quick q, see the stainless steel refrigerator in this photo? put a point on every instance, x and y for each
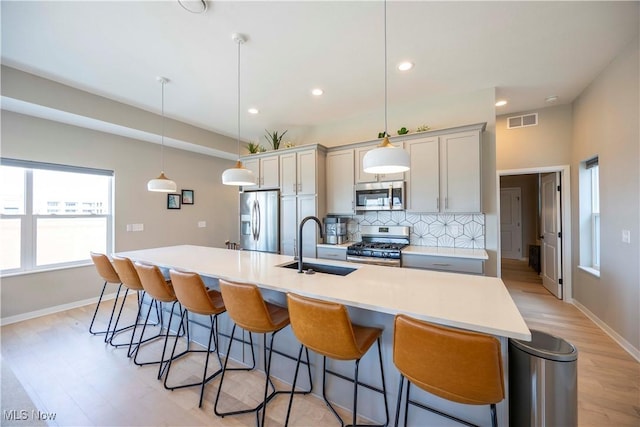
(260, 221)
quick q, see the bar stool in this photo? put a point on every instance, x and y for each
(109, 275)
(130, 279)
(325, 327)
(252, 313)
(194, 297)
(156, 286)
(460, 366)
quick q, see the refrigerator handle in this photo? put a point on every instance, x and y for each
(259, 220)
(253, 220)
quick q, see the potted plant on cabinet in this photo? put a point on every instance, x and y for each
(274, 138)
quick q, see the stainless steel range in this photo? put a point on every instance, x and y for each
(381, 245)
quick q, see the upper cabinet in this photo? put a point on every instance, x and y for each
(266, 171)
(298, 172)
(362, 176)
(340, 176)
(445, 174)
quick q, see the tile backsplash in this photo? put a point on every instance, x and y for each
(443, 230)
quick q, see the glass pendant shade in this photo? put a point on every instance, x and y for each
(238, 175)
(162, 184)
(386, 159)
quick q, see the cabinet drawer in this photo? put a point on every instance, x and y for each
(331, 253)
(456, 265)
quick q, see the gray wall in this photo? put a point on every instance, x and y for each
(134, 163)
(606, 123)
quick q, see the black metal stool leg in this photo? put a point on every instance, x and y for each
(95, 312)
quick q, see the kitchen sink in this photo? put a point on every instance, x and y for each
(310, 268)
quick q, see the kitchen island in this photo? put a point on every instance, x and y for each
(374, 294)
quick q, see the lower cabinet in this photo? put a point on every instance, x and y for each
(338, 254)
(452, 264)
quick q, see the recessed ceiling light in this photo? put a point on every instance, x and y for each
(501, 103)
(317, 92)
(253, 111)
(405, 66)
(552, 98)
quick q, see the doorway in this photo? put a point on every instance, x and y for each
(545, 234)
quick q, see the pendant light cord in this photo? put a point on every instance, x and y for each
(238, 140)
(162, 134)
(385, 68)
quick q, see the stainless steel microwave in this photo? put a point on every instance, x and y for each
(380, 196)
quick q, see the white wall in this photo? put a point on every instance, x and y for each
(134, 163)
(606, 123)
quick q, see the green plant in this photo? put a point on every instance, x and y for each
(423, 128)
(253, 147)
(382, 134)
(274, 139)
(403, 131)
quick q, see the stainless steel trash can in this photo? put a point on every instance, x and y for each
(543, 382)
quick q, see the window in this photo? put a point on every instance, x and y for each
(52, 215)
(590, 216)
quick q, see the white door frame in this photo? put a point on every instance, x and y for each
(565, 179)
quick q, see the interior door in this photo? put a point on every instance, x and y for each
(511, 223)
(551, 258)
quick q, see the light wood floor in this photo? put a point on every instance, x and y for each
(66, 371)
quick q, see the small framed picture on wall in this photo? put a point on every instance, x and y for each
(173, 201)
(187, 197)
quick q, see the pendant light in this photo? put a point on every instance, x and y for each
(162, 184)
(238, 175)
(385, 158)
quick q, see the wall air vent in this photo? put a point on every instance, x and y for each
(522, 121)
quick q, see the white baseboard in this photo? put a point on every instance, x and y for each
(51, 310)
(626, 345)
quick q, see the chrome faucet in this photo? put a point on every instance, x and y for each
(300, 227)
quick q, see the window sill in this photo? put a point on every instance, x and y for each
(45, 270)
(590, 270)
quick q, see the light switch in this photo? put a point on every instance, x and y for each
(138, 227)
(626, 236)
(129, 227)
(202, 224)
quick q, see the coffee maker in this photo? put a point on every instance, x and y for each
(335, 230)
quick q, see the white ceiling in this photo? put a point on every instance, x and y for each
(526, 50)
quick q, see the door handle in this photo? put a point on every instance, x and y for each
(542, 237)
(253, 220)
(258, 223)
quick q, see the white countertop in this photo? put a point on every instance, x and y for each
(476, 303)
(480, 254)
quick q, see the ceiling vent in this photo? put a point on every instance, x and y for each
(522, 121)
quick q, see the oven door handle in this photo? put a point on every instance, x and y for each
(374, 260)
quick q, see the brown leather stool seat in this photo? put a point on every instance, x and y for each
(110, 276)
(248, 310)
(460, 366)
(131, 281)
(326, 328)
(194, 297)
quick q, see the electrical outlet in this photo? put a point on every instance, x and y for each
(202, 224)
(626, 236)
